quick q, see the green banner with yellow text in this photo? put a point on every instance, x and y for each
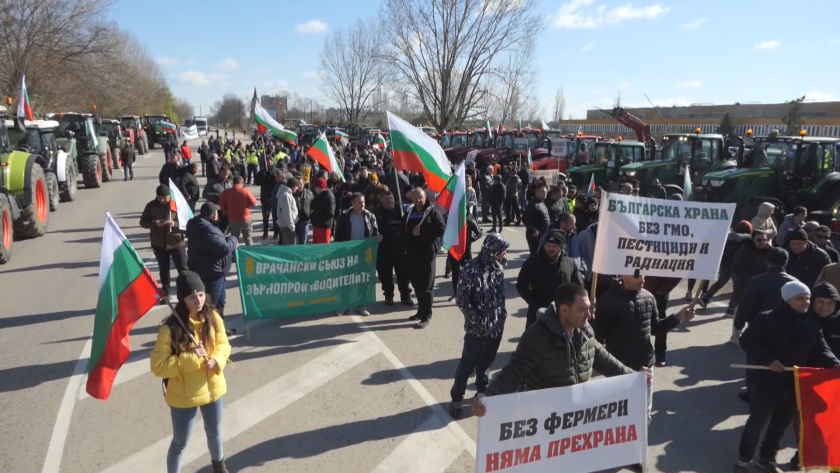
(290, 281)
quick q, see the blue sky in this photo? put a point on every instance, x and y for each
(680, 52)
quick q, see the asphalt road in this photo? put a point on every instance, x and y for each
(319, 394)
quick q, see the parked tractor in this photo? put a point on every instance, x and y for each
(604, 161)
(140, 138)
(40, 139)
(24, 194)
(77, 136)
(113, 132)
(576, 149)
(152, 125)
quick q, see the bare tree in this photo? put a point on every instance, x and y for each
(352, 72)
(532, 110)
(515, 79)
(229, 110)
(183, 109)
(448, 50)
(559, 105)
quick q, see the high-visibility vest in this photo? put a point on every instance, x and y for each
(227, 154)
(252, 157)
(571, 203)
(279, 156)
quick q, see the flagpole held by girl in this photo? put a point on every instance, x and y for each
(193, 372)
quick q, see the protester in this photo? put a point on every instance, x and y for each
(545, 271)
(389, 259)
(657, 191)
(792, 222)
(423, 227)
(236, 203)
(253, 164)
(806, 259)
(473, 234)
(322, 211)
(186, 152)
(210, 254)
(588, 237)
(267, 182)
(485, 182)
(189, 186)
(536, 219)
(213, 166)
(734, 240)
(357, 223)
(287, 212)
(824, 305)
(193, 374)
(498, 196)
(780, 338)
(213, 190)
(512, 187)
(586, 214)
(167, 240)
(303, 200)
(128, 157)
(822, 238)
(480, 296)
(171, 169)
(566, 223)
(556, 204)
(373, 193)
(750, 260)
(204, 156)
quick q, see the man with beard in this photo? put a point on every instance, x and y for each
(423, 226)
(806, 259)
(166, 238)
(536, 219)
(389, 259)
(545, 271)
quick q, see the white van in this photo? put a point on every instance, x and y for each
(201, 124)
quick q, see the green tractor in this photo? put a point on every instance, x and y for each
(39, 139)
(133, 129)
(78, 137)
(604, 161)
(113, 132)
(703, 153)
(155, 133)
(24, 194)
(785, 170)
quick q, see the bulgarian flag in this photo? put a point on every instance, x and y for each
(818, 396)
(340, 134)
(179, 205)
(416, 151)
(127, 290)
(590, 191)
(24, 108)
(167, 127)
(321, 152)
(454, 199)
(530, 161)
(489, 130)
(500, 127)
(265, 122)
(380, 141)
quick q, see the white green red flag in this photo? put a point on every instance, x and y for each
(340, 134)
(590, 191)
(415, 151)
(489, 130)
(380, 141)
(265, 123)
(531, 161)
(499, 132)
(321, 152)
(453, 198)
(178, 204)
(167, 127)
(127, 291)
(544, 126)
(24, 107)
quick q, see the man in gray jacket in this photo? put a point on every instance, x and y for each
(287, 211)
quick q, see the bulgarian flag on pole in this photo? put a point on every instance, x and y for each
(127, 290)
(500, 127)
(265, 122)
(321, 152)
(416, 151)
(167, 127)
(179, 205)
(380, 141)
(454, 199)
(489, 130)
(818, 396)
(24, 107)
(530, 161)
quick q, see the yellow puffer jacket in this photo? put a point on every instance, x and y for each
(191, 384)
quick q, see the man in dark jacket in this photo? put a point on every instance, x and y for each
(806, 259)
(764, 291)
(543, 272)
(498, 196)
(357, 223)
(213, 166)
(189, 186)
(266, 179)
(424, 225)
(204, 156)
(536, 219)
(481, 298)
(485, 182)
(210, 254)
(303, 199)
(213, 190)
(781, 338)
(128, 157)
(171, 169)
(824, 306)
(322, 211)
(733, 243)
(512, 188)
(558, 350)
(167, 240)
(389, 259)
(822, 238)
(749, 261)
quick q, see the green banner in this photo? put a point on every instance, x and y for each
(290, 281)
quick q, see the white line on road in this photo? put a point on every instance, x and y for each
(52, 463)
(258, 405)
(431, 448)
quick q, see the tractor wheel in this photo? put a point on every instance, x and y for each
(35, 217)
(67, 189)
(106, 166)
(91, 169)
(5, 230)
(52, 189)
(115, 157)
(145, 145)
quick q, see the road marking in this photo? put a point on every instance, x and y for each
(430, 448)
(465, 440)
(258, 405)
(52, 463)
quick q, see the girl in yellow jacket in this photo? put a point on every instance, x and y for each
(193, 372)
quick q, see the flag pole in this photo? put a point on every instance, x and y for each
(181, 323)
(754, 367)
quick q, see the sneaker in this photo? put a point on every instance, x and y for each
(794, 462)
(455, 409)
(769, 466)
(219, 466)
(389, 301)
(450, 299)
(423, 324)
(704, 302)
(414, 317)
(362, 311)
(661, 362)
(688, 295)
(407, 301)
(741, 467)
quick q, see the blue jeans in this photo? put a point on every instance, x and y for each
(301, 232)
(215, 291)
(183, 421)
(128, 171)
(478, 354)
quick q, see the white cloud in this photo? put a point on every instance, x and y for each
(587, 48)
(200, 79)
(688, 85)
(311, 27)
(694, 24)
(276, 85)
(573, 15)
(767, 45)
(166, 61)
(227, 64)
(190, 62)
(819, 96)
(316, 75)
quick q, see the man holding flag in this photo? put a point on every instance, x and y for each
(165, 235)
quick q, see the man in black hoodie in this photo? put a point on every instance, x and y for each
(536, 219)
(189, 185)
(389, 259)
(266, 179)
(210, 253)
(171, 169)
(806, 259)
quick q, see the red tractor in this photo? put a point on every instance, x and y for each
(133, 130)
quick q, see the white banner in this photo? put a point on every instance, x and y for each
(587, 427)
(551, 175)
(558, 147)
(189, 132)
(667, 238)
(471, 156)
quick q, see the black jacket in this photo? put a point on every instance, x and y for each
(128, 155)
(749, 261)
(212, 169)
(548, 357)
(536, 217)
(189, 186)
(734, 242)
(425, 245)
(792, 339)
(267, 183)
(209, 252)
(303, 199)
(213, 189)
(807, 265)
(555, 208)
(624, 322)
(763, 293)
(161, 237)
(498, 192)
(322, 210)
(540, 277)
(390, 223)
(343, 228)
(169, 171)
(833, 254)
(831, 331)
